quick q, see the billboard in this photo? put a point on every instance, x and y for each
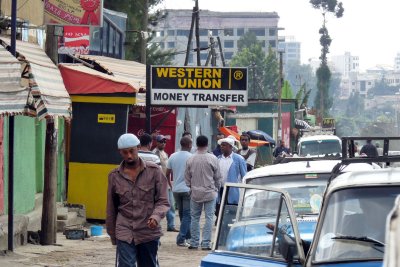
(76, 40)
(73, 12)
(198, 86)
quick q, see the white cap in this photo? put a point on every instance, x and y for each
(128, 140)
(230, 140)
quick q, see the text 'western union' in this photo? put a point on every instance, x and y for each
(193, 78)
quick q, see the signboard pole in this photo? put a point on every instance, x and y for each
(148, 100)
(11, 138)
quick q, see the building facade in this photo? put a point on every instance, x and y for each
(291, 50)
(173, 31)
(346, 64)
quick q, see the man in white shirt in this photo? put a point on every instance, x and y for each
(247, 153)
(145, 149)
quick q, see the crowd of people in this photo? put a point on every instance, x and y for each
(149, 185)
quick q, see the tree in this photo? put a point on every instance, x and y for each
(263, 71)
(287, 92)
(322, 101)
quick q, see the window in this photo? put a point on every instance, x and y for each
(182, 33)
(171, 32)
(228, 55)
(258, 31)
(203, 56)
(262, 43)
(214, 32)
(272, 32)
(171, 45)
(272, 43)
(240, 32)
(161, 45)
(203, 32)
(228, 32)
(228, 44)
(203, 44)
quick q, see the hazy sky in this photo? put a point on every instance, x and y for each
(367, 28)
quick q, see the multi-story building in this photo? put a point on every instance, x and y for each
(291, 50)
(346, 64)
(397, 62)
(173, 32)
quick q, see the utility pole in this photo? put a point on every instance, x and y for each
(143, 39)
(280, 83)
(196, 7)
(49, 209)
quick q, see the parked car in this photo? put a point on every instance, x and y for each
(242, 235)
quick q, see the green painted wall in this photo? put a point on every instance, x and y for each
(24, 163)
(29, 155)
(40, 148)
(61, 177)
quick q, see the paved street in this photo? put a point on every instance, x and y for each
(96, 251)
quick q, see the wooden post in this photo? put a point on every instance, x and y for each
(49, 211)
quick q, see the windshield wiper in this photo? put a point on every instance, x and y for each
(360, 238)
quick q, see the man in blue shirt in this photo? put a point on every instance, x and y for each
(176, 168)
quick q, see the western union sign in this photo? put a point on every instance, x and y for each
(198, 86)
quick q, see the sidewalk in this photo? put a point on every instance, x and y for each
(96, 251)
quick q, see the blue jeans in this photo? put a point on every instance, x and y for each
(182, 200)
(144, 254)
(195, 211)
(171, 212)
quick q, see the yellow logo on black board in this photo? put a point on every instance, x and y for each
(106, 118)
(238, 75)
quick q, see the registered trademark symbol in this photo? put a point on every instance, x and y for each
(238, 75)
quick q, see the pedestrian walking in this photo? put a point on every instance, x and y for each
(232, 166)
(203, 177)
(247, 153)
(369, 150)
(136, 202)
(176, 167)
(217, 150)
(159, 150)
(145, 149)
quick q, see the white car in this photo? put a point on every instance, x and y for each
(319, 146)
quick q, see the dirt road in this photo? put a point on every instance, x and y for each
(96, 251)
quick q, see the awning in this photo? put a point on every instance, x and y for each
(106, 76)
(133, 71)
(253, 143)
(13, 97)
(300, 124)
(95, 82)
(50, 98)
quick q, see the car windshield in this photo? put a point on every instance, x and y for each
(305, 190)
(354, 224)
(319, 147)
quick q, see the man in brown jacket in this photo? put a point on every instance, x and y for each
(136, 202)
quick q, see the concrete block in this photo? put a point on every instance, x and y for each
(20, 231)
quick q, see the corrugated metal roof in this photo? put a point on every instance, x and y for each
(13, 97)
(131, 71)
(47, 87)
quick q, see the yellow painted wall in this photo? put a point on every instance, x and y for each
(87, 185)
(31, 10)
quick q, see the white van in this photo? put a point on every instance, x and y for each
(319, 146)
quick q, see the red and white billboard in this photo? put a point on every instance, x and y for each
(286, 128)
(73, 12)
(76, 40)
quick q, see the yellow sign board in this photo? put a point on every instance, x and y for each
(106, 118)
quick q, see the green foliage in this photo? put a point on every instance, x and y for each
(262, 71)
(382, 88)
(287, 92)
(323, 101)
